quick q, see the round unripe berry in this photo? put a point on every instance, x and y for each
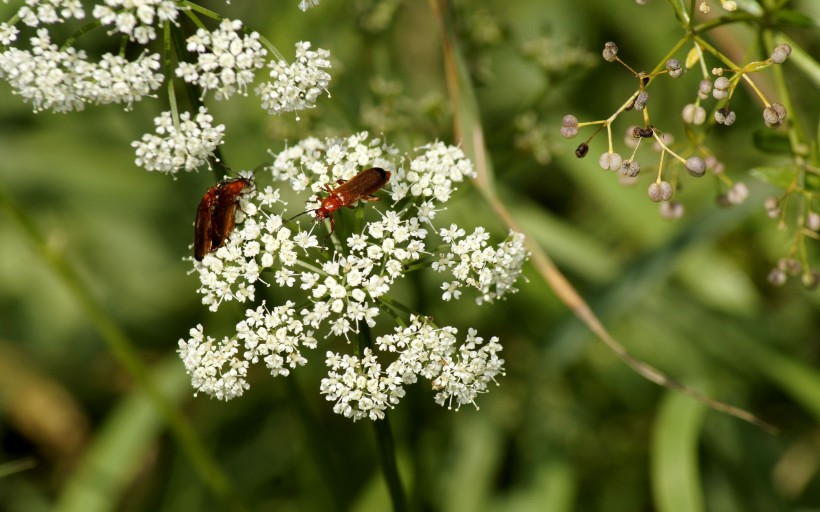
(630, 168)
(654, 192)
(610, 161)
(714, 165)
(781, 53)
(693, 114)
(671, 210)
(696, 166)
(774, 114)
(789, 265)
(610, 51)
(721, 89)
(569, 126)
(660, 191)
(725, 116)
(770, 203)
(568, 132)
(810, 279)
(777, 277)
(673, 67)
(666, 191)
(569, 121)
(813, 221)
(737, 194)
(640, 101)
(704, 88)
(772, 206)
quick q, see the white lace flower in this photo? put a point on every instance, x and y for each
(226, 61)
(433, 173)
(347, 283)
(46, 12)
(214, 367)
(117, 80)
(358, 386)
(184, 147)
(8, 33)
(492, 271)
(296, 86)
(458, 371)
(136, 18)
(65, 80)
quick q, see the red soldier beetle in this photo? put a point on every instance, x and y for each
(359, 187)
(216, 215)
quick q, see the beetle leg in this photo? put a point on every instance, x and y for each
(370, 198)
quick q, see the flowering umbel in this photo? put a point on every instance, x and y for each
(59, 76)
(346, 283)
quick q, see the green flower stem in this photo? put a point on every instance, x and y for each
(168, 68)
(123, 350)
(386, 446)
(88, 27)
(216, 16)
(193, 93)
(467, 127)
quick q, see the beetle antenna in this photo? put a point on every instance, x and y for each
(297, 215)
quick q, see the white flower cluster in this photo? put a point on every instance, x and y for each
(493, 271)
(313, 163)
(45, 12)
(296, 86)
(304, 5)
(227, 62)
(433, 173)
(136, 18)
(186, 146)
(215, 368)
(350, 287)
(65, 80)
(8, 33)
(458, 371)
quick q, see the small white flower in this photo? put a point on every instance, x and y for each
(215, 368)
(64, 80)
(227, 62)
(136, 18)
(8, 34)
(185, 147)
(348, 283)
(46, 12)
(433, 173)
(493, 272)
(304, 5)
(296, 86)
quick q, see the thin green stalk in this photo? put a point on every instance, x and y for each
(385, 443)
(123, 350)
(194, 96)
(88, 27)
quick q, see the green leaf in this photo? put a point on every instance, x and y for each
(771, 142)
(779, 176)
(119, 451)
(675, 478)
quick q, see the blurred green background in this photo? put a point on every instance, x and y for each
(569, 428)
